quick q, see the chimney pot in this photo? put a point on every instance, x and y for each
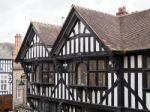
(121, 11)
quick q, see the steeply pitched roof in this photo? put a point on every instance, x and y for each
(105, 26)
(6, 50)
(135, 31)
(47, 32)
(129, 32)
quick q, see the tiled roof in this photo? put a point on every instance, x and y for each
(135, 30)
(129, 32)
(47, 32)
(6, 50)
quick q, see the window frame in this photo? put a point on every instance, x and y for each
(18, 89)
(82, 82)
(3, 86)
(48, 72)
(73, 73)
(147, 70)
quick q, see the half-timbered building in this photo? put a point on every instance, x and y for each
(6, 77)
(35, 58)
(98, 62)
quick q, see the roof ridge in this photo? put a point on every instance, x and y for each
(135, 12)
(129, 14)
(77, 6)
(45, 23)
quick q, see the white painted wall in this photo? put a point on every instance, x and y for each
(148, 100)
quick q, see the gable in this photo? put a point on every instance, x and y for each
(36, 49)
(81, 40)
(38, 41)
(78, 38)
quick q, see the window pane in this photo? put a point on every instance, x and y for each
(92, 79)
(45, 67)
(38, 73)
(51, 67)
(101, 79)
(101, 65)
(72, 79)
(148, 79)
(82, 74)
(51, 78)
(70, 66)
(45, 77)
(18, 94)
(92, 65)
(148, 62)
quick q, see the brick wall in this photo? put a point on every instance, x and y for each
(5, 102)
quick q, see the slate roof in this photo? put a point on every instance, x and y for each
(6, 50)
(128, 32)
(47, 32)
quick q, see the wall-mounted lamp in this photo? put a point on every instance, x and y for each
(65, 65)
(23, 87)
(111, 64)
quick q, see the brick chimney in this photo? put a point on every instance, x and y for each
(18, 42)
(121, 11)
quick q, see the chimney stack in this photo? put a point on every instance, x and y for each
(121, 11)
(18, 42)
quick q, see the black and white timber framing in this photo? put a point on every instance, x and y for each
(79, 72)
(5, 76)
(6, 72)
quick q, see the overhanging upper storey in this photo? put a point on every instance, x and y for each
(38, 41)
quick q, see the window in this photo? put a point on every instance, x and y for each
(92, 65)
(90, 72)
(3, 82)
(148, 71)
(101, 79)
(92, 79)
(71, 73)
(97, 72)
(82, 74)
(38, 73)
(48, 73)
(148, 79)
(18, 90)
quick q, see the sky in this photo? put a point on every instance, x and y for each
(16, 15)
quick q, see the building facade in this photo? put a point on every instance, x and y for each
(6, 77)
(19, 91)
(97, 62)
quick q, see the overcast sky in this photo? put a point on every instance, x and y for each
(15, 15)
